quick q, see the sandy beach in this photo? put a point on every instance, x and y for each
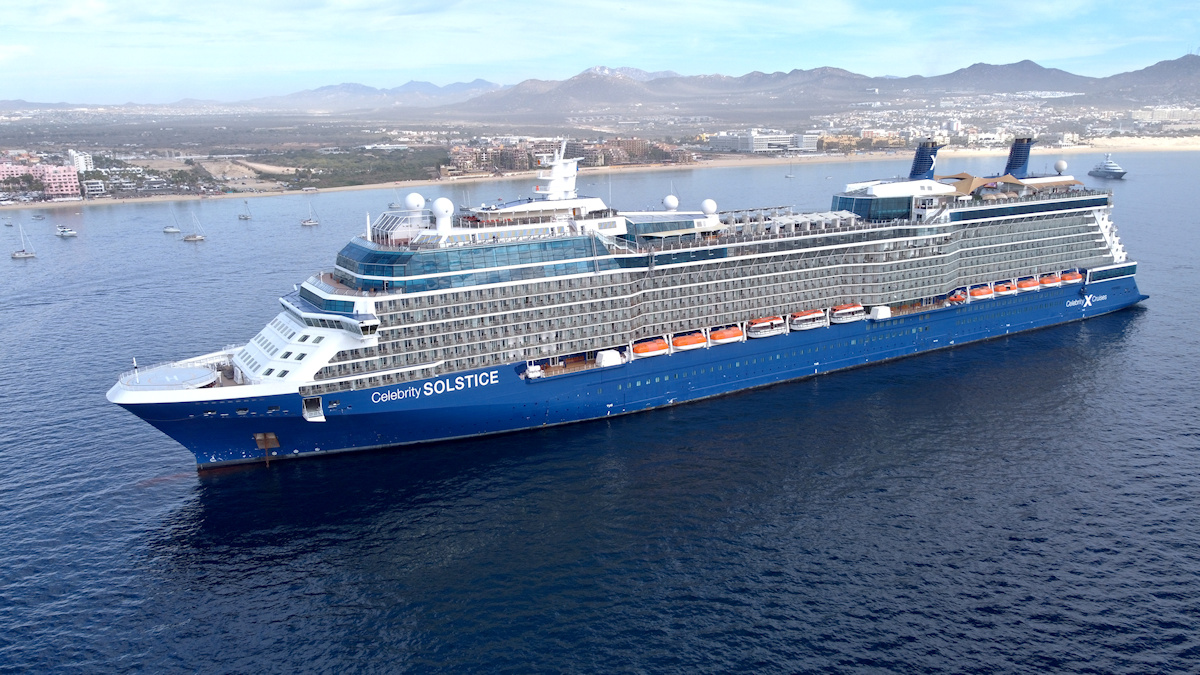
(1106, 145)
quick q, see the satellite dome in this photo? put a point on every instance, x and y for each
(1060, 166)
(442, 207)
(414, 202)
(671, 202)
(708, 206)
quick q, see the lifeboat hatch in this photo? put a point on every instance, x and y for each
(312, 409)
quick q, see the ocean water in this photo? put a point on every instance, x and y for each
(1024, 505)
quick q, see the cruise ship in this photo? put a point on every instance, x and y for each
(443, 323)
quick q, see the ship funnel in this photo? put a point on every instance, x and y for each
(1018, 158)
(924, 161)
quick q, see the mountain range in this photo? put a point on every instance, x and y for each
(753, 97)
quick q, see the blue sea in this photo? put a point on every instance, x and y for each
(1029, 504)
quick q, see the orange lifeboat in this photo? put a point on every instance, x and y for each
(1071, 277)
(813, 318)
(689, 341)
(1029, 284)
(957, 298)
(647, 348)
(981, 293)
(765, 327)
(847, 313)
(1050, 281)
(725, 335)
(1005, 288)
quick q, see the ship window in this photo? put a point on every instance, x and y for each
(282, 373)
(243, 411)
(268, 371)
(318, 339)
(303, 338)
(301, 357)
(285, 355)
(272, 408)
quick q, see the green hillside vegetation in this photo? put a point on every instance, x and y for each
(356, 167)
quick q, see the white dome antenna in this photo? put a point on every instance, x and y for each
(414, 202)
(1060, 166)
(708, 206)
(671, 202)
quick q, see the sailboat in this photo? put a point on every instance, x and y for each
(26, 250)
(246, 215)
(311, 219)
(791, 173)
(173, 228)
(398, 204)
(198, 235)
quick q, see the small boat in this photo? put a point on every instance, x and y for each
(26, 250)
(1071, 277)
(1029, 284)
(1050, 281)
(198, 235)
(311, 219)
(1107, 169)
(981, 293)
(171, 229)
(38, 217)
(725, 335)
(809, 319)
(688, 341)
(957, 298)
(1005, 288)
(64, 231)
(847, 313)
(651, 347)
(768, 326)
(246, 215)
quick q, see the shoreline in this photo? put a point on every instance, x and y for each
(1104, 145)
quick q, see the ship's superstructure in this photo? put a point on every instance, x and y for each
(442, 322)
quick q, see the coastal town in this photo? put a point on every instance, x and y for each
(319, 155)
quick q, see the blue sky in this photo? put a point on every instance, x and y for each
(113, 51)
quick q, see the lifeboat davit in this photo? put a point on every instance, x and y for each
(767, 326)
(725, 335)
(981, 293)
(957, 298)
(1071, 277)
(648, 348)
(806, 320)
(689, 341)
(1050, 281)
(847, 313)
(1029, 284)
(1005, 288)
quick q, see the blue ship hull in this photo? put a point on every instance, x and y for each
(498, 400)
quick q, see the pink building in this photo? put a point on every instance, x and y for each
(59, 181)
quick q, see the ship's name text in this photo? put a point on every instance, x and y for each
(438, 387)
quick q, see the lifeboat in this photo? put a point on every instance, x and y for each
(648, 348)
(1029, 284)
(766, 327)
(981, 293)
(848, 313)
(1071, 277)
(957, 298)
(1005, 288)
(725, 335)
(813, 318)
(1050, 281)
(689, 341)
